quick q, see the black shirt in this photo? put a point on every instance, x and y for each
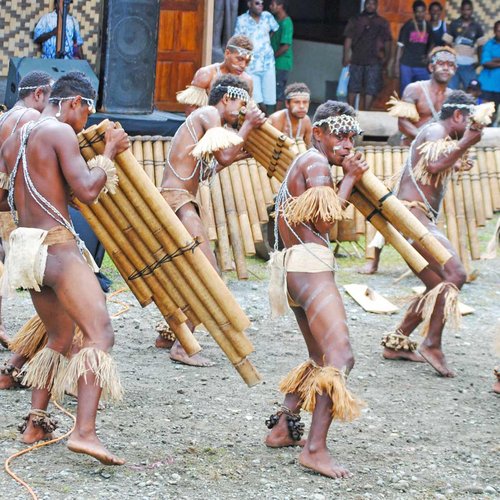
(416, 40)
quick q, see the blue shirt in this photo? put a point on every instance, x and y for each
(46, 24)
(258, 32)
(490, 78)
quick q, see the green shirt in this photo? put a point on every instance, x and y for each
(284, 36)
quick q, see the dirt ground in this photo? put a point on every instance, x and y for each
(197, 433)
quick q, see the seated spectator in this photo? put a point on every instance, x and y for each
(466, 36)
(413, 46)
(474, 89)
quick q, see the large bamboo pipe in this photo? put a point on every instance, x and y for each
(233, 225)
(476, 189)
(158, 160)
(208, 210)
(223, 245)
(257, 191)
(241, 209)
(485, 185)
(253, 215)
(242, 365)
(470, 216)
(492, 178)
(457, 198)
(266, 187)
(391, 235)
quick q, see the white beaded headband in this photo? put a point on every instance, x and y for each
(295, 95)
(470, 107)
(59, 100)
(340, 124)
(235, 92)
(34, 87)
(443, 55)
(241, 51)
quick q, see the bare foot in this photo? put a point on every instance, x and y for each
(7, 382)
(496, 387)
(162, 343)
(179, 355)
(371, 267)
(436, 359)
(34, 433)
(279, 437)
(93, 447)
(4, 340)
(405, 355)
(8, 374)
(322, 463)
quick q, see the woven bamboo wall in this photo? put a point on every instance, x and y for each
(486, 12)
(18, 21)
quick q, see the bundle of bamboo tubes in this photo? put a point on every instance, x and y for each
(161, 262)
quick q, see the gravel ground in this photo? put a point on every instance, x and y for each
(197, 433)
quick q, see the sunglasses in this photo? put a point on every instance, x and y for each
(258, 3)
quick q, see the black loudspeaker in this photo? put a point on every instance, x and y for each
(128, 56)
(19, 67)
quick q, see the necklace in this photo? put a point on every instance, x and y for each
(290, 129)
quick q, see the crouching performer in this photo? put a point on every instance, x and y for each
(303, 277)
(47, 258)
(438, 151)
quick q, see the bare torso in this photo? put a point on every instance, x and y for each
(408, 190)
(206, 76)
(417, 93)
(180, 166)
(291, 126)
(16, 118)
(45, 173)
(296, 183)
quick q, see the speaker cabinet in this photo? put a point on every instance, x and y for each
(128, 56)
(19, 67)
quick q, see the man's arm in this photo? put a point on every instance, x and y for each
(43, 31)
(286, 37)
(487, 59)
(354, 166)
(77, 39)
(307, 131)
(4, 205)
(448, 160)
(406, 126)
(202, 78)
(86, 183)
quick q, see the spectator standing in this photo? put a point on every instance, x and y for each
(258, 26)
(281, 43)
(46, 31)
(414, 43)
(490, 75)
(367, 48)
(438, 24)
(466, 36)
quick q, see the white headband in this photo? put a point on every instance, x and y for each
(34, 87)
(235, 92)
(241, 51)
(470, 107)
(294, 95)
(59, 100)
(340, 124)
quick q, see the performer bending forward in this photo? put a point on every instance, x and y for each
(201, 147)
(303, 274)
(47, 257)
(435, 154)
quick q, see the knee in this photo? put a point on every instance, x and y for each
(457, 276)
(341, 356)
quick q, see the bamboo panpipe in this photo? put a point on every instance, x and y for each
(398, 215)
(360, 222)
(251, 204)
(492, 178)
(100, 217)
(235, 316)
(387, 164)
(208, 210)
(457, 195)
(241, 209)
(451, 219)
(476, 190)
(391, 235)
(257, 190)
(266, 186)
(233, 225)
(378, 167)
(159, 209)
(147, 151)
(275, 185)
(485, 185)
(223, 246)
(137, 150)
(469, 215)
(301, 145)
(158, 160)
(347, 227)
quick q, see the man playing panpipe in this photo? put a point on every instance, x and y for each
(293, 120)
(303, 277)
(237, 57)
(33, 92)
(420, 104)
(435, 154)
(201, 147)
(45, 169)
